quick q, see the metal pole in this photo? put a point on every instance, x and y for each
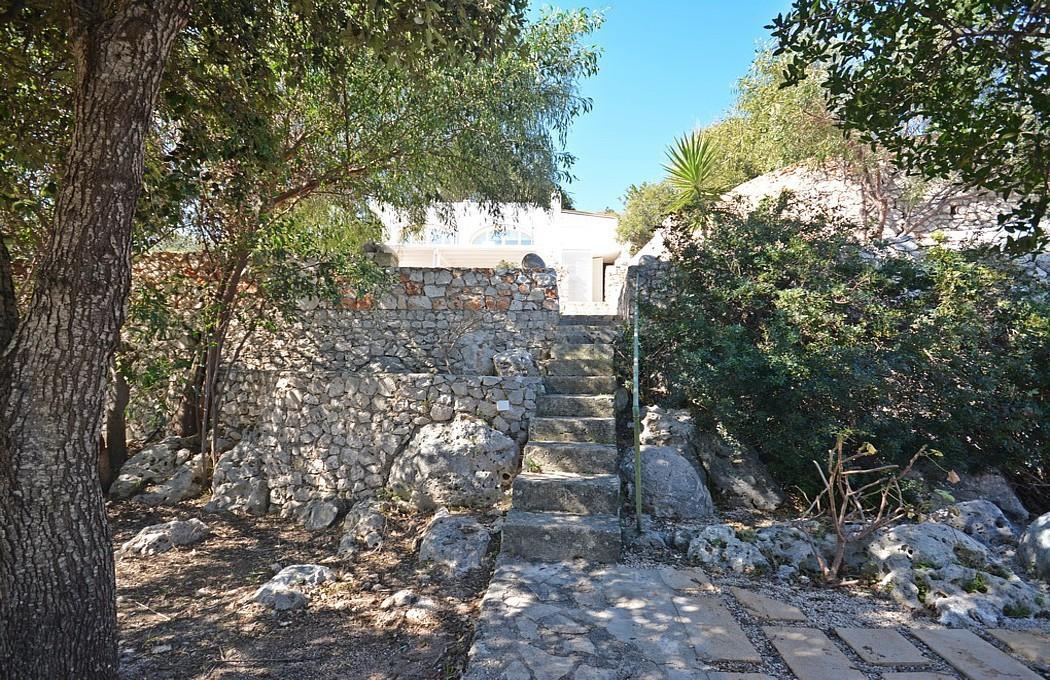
(635, 388)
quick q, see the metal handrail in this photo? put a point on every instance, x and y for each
(636, 408)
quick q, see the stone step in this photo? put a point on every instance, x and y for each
(588, 320)
(811, 655)
(567, 492)
(566, 350)
(586, 334)
(600, 405)
(580, 384)
(587, 430)
(579, 367)
(974, 658)
(571, 457)
(559, 537)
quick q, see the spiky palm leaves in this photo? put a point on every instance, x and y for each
(692, 171)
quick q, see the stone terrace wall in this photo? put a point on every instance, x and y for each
(426, 316)
(332, 436)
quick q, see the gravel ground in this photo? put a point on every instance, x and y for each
(854, 605)
(183, 614)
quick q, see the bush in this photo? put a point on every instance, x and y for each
(788, 332)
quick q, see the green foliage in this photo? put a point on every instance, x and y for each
(645, 207)
(692, 162)
(771, 127)
(955, 88)
(789, 333)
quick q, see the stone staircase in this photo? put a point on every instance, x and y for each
(566, 501)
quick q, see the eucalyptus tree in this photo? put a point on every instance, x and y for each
(57, 604)
(948, 87)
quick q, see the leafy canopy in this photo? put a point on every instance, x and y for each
(950, 89)
(788, 333)
(646, 205)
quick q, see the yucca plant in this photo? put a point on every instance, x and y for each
(691, 171)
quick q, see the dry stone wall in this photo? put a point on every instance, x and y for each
(318, 411)
(443, 320)
(333, 436)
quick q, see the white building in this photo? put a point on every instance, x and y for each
(581, 246)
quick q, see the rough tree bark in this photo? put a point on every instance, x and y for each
(57, 604)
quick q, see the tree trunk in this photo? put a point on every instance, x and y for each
(116, 430)
(57, 604)
(8, 302)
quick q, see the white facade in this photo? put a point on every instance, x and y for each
(579, 245)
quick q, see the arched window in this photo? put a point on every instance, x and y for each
(505, 237)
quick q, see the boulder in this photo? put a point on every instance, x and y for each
(991, 486)
(1035, 547)
(936, 566)
(979, 519)
(514, 362)
(151, 465)
(460, 463)
(734, 471)
(737, 474)
(455, 544)
(318, 514)
(718, 545)
(363, 525)
(158, 538)
(673, 487)
(285, 590)
(186, 482)
(238, 483)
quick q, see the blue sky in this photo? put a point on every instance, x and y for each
(668, 65)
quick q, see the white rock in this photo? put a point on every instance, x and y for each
(285, 590)
(718, 545)
(1035, 547)
(158, 538)
(455, 544)
(673, 487)
(515, 362)
(461, 463)
(980, 519)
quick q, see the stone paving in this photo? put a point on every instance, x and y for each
(584, 621)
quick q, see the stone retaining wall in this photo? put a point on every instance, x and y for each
(333, 435)
(443, 320)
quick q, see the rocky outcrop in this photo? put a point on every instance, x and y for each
(674, 487)
(1035, 547)
(980, 519)
(461, 463)
(936, 566)
(718, 545)
(737, 475)
(286, 590)
(158, 538)
(989, 486)
(186, 482)
(454, 544)
(363, 526)
(152, 465)
(238, 483)
(515, 362)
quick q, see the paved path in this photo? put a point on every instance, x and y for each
(582, 621)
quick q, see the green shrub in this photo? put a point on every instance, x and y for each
(788, 332)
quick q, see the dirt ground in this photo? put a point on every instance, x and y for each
(183, 614)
